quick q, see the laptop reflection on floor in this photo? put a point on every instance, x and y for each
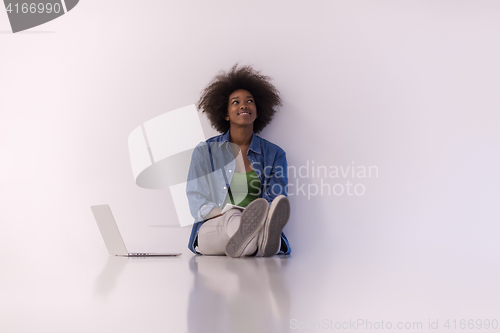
(112, 237)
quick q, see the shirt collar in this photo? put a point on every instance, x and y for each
(254, 144)
(225, 138)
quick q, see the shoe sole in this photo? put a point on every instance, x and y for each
(252, 220)
(272, 229)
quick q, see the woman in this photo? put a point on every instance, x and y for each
(239, 168)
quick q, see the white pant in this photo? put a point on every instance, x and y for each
(214, 234)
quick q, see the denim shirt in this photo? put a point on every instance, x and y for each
(211, 171)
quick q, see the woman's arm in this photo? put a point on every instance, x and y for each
(198, 187)
(278, 178)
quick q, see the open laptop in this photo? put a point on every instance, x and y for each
(112, 237)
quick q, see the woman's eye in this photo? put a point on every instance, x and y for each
(250, 100)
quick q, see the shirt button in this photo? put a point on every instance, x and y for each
(220, 205)
(224, 187)
(230, 170)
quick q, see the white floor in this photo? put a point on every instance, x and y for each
(219, 294)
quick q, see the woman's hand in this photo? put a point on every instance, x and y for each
(215, 212)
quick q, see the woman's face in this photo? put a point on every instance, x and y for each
(241, 109)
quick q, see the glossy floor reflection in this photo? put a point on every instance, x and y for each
(324, 292)
(246, 295)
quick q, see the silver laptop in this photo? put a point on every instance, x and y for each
(112, 237)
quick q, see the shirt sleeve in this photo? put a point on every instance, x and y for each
(278, 178)
(200, 198)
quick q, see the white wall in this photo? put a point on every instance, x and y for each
(410, 87)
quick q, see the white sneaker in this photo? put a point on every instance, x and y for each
(277, 218)
(252, 221)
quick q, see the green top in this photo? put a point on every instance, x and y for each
(245, 188)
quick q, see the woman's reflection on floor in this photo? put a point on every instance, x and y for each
(238, 295)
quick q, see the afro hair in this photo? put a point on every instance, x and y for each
(215, 97)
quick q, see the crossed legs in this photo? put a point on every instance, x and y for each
(251, 232)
